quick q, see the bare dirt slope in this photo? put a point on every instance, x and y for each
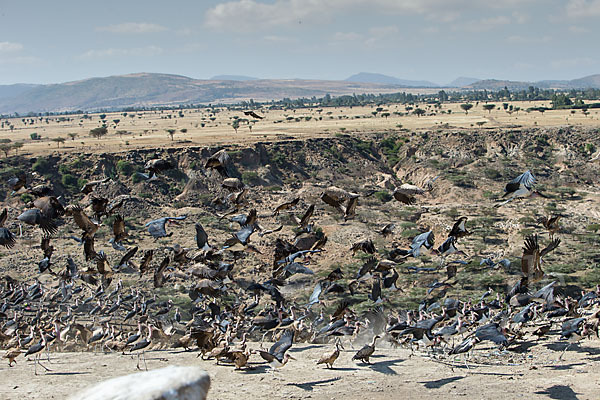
(536, 374)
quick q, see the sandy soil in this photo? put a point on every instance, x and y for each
(149, 129)
(533, 374)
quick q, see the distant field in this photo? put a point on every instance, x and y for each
(149, 129)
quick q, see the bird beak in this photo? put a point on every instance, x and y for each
(291, 358)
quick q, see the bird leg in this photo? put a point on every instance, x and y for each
(564, 351)
(138, 363)
(144, 358)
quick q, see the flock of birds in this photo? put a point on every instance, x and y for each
(111, 306)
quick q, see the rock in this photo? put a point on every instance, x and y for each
(170, 383)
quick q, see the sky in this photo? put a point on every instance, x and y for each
(45, 41)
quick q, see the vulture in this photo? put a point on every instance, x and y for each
(252, 114)
(17, 182)
(84, 222)
(119, 229)
(276, 356)
(406, 193)
(202, 238)
(531, 261)
(286, 206)
(90, 186)
(49, 206)
(146, 259)
(220, 162)
(159, 277)
(156, 166)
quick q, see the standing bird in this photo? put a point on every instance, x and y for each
(7, 238)
(329, 358)
(367, 351)
(36, 351)
(157, 166)
(141, 345)
(220, 162)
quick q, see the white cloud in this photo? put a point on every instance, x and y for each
(148, 51)
(483, 25)
(253, 15)
(583, 8)
(574, 62)
(346, 37)
(578, 29)
(21, 60)
(132, 28)
(10, 46)
(516, 39)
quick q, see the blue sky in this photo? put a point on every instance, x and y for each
(436, 40)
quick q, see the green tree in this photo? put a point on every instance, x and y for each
(171, 133)
(489, 107)
(72, 135)
(235, 125)
(98, 132)
(58, 141)
(466, 107)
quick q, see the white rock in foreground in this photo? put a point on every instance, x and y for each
(170, 383)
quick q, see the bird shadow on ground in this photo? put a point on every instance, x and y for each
(67, 373)
(309, 386)
(384, 366)
(312, 346)
(256, 369)
(523, 347)
(562, 346)
(440, 382)
(560, 392)
(563, 367)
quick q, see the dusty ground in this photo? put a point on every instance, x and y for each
(149, 128)
(535, 374)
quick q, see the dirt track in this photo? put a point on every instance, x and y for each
(534, 374)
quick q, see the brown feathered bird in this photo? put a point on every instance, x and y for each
(286, 206)
(159, 277)
(84, 222)
(329, 358)
(551, 224)
(531, 261)
(49, 206)
(118, 227)
(219, 162)
(252, 114)
(366, 352)
(145, 263)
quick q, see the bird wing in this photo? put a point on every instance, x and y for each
(201, 237)
(458, 227)
(102, 264)
(159, 278)
(335, 203)
(7, 238)
(553, 245)
(3, 216)
(146, 259)
(130, 253)
(409, 190)
(530, 261)
(156, 228)
(350, 210)
(404, 198)
(82, 220)
(314, 297)
(119, 228)
(526, 179)
(243, 235)
(287, 205)
(282, 345)
(307, 215)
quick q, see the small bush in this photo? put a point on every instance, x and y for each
(69, 181)
(26, 198)
(249, 177)
(383, 196)
(41, 165)
(124, 168)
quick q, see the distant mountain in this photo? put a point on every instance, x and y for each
(368, 77)
(15, 90)
(153, 90)
(462, 81)
(233, 78)
(591, 81)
